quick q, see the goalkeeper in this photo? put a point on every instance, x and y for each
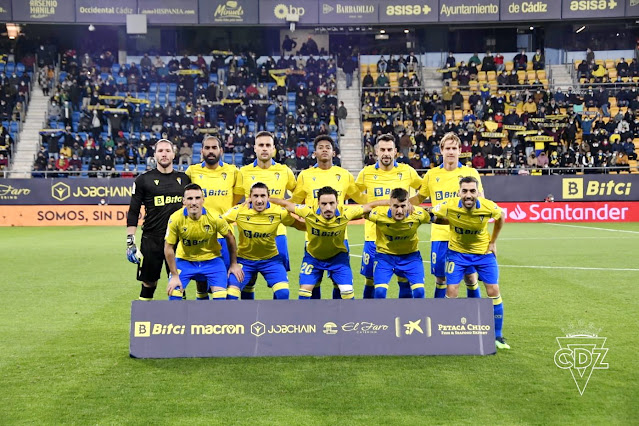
(160, 191)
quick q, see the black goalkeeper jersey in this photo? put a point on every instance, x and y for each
(161, 195)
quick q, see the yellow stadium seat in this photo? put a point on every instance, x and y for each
(491, 75)
(367, 125)
(481, 76)
(531, 75)
(612, 74)
(610, 64)
(509, 66)
(541, 74)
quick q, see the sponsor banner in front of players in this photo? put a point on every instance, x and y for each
(104, 11)
(595, 9)
(65, 191)
(64, 215)
(169, 11)
(468, 10)
(43, 10)
(228, 12)
(523, 10)
(563, 188)
(278, 11)
(348, 12)
(560, 212)
(392, 11)
(170, 329)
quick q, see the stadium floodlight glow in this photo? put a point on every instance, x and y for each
(382, 31)
(580, 29)
(91, 27)
(532, 28)
(406, 31)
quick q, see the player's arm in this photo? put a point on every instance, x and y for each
(354, 193)
(299, 224)
(292, 221)
(283, 203)
(492, 246)
(299, 193)
(370, 206)
(237, 198)
(169, 255)
(438, 214)
(137, 199)
(234, 267)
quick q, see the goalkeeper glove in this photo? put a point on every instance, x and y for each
(132, 250)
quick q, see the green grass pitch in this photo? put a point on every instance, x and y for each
(64, 327)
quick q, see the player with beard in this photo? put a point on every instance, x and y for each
(217, 180)
(377, 181)
(160, 191)
(324, 173)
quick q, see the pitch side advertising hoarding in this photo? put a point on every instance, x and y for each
(565, 212)
(182, 329)
(87, 191)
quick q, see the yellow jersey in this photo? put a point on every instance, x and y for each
(378, 184)
(278, 177)
(217, 184)
(326, 237)
(468, 228)
(440, 184)
(397, 237)
(312, 179)
(197, 238)
(257, 231)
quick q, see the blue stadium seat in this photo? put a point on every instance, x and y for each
(63, 75)
(75, 117)
(290, 96)
(213, 78)
(163, 87)
(115, 69)
(172, 87)
(153, 88)
(10, 68)
(251, 126)
(104, 76)
(172, 98)
(228, 158)
(20, 67)
(1, 66)
(270, 126)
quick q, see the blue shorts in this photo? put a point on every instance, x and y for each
(460, 264)
(438, 250)
(272, 270)
(282, 248)
(368, 259)
(338, 268)
(226, 257)
(211, 271)
(409, 266)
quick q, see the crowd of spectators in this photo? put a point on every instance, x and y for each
(15, 84)
(109, 116)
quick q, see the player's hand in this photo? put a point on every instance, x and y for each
(492, 248)
(132, 254)
(174, 282)
(236, 269)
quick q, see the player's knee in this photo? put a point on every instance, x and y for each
(305, 294)
(418, 291)
(492, 290)
(233, 293)
(346, 291)
(380, 291)
(280, 291)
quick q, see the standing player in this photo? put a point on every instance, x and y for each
(194, 231)
(278, 177)
(217, 179)
(377, 181)
(471, 247)
(160, 191)
(257, 251)
(439, 184)
(396, 241)
(324, 173)
(326, 249)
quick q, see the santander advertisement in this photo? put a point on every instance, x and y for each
(571, 212)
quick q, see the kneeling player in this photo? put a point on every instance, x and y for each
(194, 230)
(326, 249)
(471, 246)
(257, 223)
(396, 241)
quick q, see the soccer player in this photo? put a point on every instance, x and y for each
(278, 177)
(194, 231)
(326, 249)
(324, 173)
(218, 180)
(396, 241)
(257, 223)
(471, 246)
(377, 181)
(160, 191)
(439, 184)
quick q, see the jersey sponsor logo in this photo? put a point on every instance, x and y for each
(392, 238)
(462, 231)
(193, 243)
(339, 193)
(254, 234)
(442, 195)
(162, 200)
(380, 192)
(215, 192)
(319, 233)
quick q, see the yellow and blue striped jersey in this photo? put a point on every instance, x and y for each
(440, 184)
(197, 238)
(378, 184)
(257, 231)
(312, 179)
(468, 228)
(217, 184)
(397, 237)
(278, 177)
(326, 237)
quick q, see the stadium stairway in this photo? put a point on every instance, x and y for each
(431, 80)
(351, 143)
(561, 76)
(29, 143)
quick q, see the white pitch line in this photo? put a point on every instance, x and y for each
(538, 238)
(581, 268)
(592, 227)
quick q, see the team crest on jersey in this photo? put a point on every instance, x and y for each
(179, 180)
(253, 177)
(248, 218)
(399, 176)
(157, 182)
(201, 176)
(481, 218)
(184, 229)
(410, 225)
(277, 175)
(207, 228)
(313, 178)
(338, 177)
(375, 177)
(436, 179)
(458, 215)
(224, 176)
(271, 218)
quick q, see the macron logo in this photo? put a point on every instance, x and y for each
(517, 214)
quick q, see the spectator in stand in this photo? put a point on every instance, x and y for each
(478, 161)
(488, 63)
(590, 56)
(186, 154)
(520, 61)
(499, 62)
(538, 60)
